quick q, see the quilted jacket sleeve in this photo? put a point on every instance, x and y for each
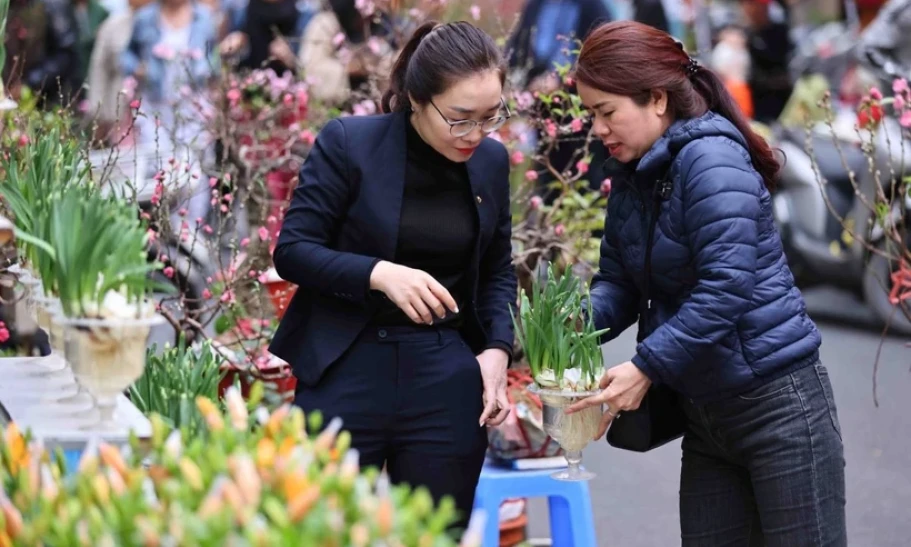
(613, 296)
(721, 212)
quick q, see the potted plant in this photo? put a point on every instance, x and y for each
(245, 478)
(563, 350)
(173, 379)
(35, 176)
(100, 271)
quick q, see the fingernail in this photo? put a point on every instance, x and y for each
(457, 309)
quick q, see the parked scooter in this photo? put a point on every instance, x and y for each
(817, 200)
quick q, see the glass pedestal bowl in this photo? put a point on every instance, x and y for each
(572, 432)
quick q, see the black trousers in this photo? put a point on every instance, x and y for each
(411, 398)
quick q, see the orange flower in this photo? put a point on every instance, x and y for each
(12, 518)
(18, 450)
(326, 439)
(384, 514)
(303, 502)
(191, 473)
(287, 446)
(244, 472)
(210, 413)
(265, 453)
(111, 457)
(360, 535)
(273, 426)
(293, 484)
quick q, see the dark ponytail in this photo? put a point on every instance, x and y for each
(436, 56)
(719, 100)
(631, 59)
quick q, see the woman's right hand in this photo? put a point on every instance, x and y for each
(415, 292)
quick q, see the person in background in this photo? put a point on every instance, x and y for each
(368, 53)
(731, 61)
(651, 13)
(106, 105)
(42, 46)
(542, 41)
(770, 46)
(266, 29)
(399, 239)
(168, 61)
(89, 16)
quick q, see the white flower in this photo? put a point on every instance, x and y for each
(572, 377)
(546, 379)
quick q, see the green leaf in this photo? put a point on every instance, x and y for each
(223, 324)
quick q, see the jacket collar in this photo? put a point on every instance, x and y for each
(657, 161)
(392, 156)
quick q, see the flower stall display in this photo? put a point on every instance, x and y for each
(35, 175)
(100, 273)
(256, 479)
(563, 350)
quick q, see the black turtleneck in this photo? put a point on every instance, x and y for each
(437, 228)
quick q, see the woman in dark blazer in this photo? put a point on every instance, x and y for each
(398, 236)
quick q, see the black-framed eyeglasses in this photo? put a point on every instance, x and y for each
(462, 128)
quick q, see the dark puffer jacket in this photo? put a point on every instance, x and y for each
(725, 314)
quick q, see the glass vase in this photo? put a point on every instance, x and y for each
(572, 432)
(107, 356)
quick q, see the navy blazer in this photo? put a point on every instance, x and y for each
(344, 218)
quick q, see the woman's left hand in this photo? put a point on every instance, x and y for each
(623, 388)
(493, 363)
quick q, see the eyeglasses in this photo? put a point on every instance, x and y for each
(462, 128)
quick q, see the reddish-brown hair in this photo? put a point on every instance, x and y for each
(631, 59)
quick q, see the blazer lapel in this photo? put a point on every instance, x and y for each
(389, 161)
(483, 203)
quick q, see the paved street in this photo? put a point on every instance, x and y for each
(635, 495)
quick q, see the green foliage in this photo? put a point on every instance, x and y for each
(555, 333)
(172, 381)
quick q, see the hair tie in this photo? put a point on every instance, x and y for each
(692, 67)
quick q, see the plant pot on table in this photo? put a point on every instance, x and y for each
(106, 356)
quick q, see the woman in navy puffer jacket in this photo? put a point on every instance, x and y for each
(723, 324)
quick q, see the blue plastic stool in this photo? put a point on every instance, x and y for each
(72, 458)
(571, 521)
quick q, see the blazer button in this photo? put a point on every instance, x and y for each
(478, 198)
(382, 333)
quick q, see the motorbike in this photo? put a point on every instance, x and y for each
(829, 232)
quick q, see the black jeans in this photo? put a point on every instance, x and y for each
(411, 398)
(766, 467)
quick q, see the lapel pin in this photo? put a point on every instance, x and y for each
(479, 199)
